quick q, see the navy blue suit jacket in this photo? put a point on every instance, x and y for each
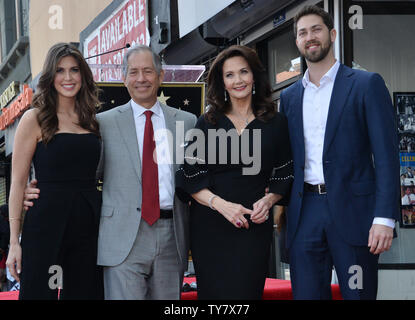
(360, 154)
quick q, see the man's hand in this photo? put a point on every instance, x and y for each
(380, 238)
(30, 193)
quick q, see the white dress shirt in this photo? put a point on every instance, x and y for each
(316, 104)
(315, 111)
(165, 178)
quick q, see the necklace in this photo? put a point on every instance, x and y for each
(246, 123)
(239, 117)
(246, 118)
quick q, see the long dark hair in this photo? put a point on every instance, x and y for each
(46, 97)
(262, 105)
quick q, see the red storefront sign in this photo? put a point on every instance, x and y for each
(16, 108)
(126, 25)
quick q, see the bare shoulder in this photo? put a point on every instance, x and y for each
(30, 115)
(28, 134)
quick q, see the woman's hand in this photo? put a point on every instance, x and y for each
(233, 212)
(14, 260)
(260, 214)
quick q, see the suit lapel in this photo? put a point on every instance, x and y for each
(340, 93)
(297, 105)
(126, 125)
(170, 119)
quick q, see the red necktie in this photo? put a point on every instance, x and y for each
(150, 208)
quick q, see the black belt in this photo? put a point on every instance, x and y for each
(166, 214)
(318, 188)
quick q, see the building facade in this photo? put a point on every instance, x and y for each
(27, 30)
(14, 72)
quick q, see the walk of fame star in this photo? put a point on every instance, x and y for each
(163, 99)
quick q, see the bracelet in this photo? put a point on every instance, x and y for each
(210, 201)
(11, 219)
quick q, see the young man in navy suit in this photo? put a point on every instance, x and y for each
(345, 195)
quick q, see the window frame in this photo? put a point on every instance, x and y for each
(370, 8)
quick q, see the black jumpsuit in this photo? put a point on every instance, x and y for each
(60, 231)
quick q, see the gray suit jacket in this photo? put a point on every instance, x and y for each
(121, 198)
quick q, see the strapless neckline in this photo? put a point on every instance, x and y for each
(70, 133)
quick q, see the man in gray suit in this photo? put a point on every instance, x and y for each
(143, 236)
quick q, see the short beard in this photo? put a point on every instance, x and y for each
(320, 56)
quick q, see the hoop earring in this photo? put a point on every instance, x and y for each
(226, 96)
(253, 89)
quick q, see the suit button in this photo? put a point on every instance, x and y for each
(302, 167)
(300, 194)
(138, 209)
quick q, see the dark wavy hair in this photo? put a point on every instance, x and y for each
(46, 96)
(262, 105)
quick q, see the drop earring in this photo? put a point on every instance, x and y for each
(253, 89)
(226, 96)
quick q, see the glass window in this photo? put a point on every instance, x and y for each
(24, 17)
(384, 46)
(7, 25)
(284, 60)
(1, 47)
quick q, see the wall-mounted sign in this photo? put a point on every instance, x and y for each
(405, 109)
(127, 24)
(279, 19)
(189, 97)
(16, 108)
(12, 90)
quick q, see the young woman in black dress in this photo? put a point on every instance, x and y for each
(60, 135)
(230, 229)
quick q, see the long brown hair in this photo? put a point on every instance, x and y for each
(46, 97)
(262, 105)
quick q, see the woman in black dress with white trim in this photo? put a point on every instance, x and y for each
(231, 229)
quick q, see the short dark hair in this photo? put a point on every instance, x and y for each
(307, 10)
